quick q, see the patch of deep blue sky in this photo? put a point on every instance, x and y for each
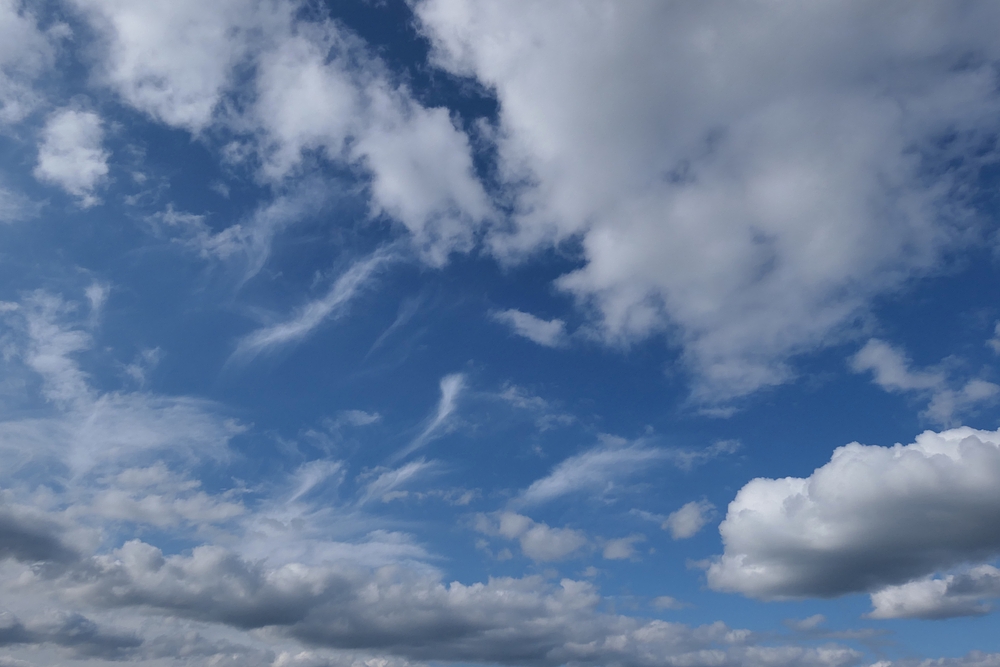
(163, 296)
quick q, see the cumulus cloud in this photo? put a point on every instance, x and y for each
(399, 613)
(172, 60)
(549, 333)
(892, 371)
(872, 518)
(316, 90)
(748, 209)
(71, 155)
(539, 541)
(689, 519)
(964, 594)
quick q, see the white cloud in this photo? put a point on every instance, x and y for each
(622, 548)
(391, 481)
(451, 387)
(15, 207)
(955, 595)
(747, 186)
(25, 53)
(891, 370)
(345, 289)
(550, 333)
(994, 342)
(689, 519)
(871, 518)
(83, 427)
(539, 541)
(316, 91)
(598, 470)
(173, 60)
(71, 154)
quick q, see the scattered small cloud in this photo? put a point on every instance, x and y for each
(548, 333)
(689, 519)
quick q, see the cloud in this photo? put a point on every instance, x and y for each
(598, 470)
(689, 519)
(622, 548)
(173, 61)
(539, 541)
(390, 482)
(549, 333)
(15, 207)
(345, 289)
(404, 614)
(891, 370)
(83, 428)
(749, 211)
(71, 154)
(962, 594)
(451, 387)
(315, 91)
(25, 53)
(871, 518)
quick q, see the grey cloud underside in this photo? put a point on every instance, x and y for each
(871, 518)
(391, 610)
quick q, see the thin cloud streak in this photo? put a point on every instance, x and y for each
(332, 305)
(451, 386)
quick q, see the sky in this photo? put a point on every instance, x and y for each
(391, 333)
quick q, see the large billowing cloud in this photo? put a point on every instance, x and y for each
(744, 178)
(873, 519)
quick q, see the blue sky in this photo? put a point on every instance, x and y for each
(413, 333)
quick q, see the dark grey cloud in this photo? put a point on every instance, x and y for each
(82, 637)
(30, 537)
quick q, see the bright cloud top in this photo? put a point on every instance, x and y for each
(754, 208)
(871, 518)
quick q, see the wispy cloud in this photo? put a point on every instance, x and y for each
(598, 470)
(314, 313)
(451, 386)
(893, 371)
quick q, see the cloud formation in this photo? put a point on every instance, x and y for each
(873, 517)
(71, 154)
(747, 208)
(891, 370)
(549, 333)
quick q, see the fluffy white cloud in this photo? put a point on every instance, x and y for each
(891, 370)
(315, 90)
(689, 519)
(539, 541)
(71, 154)
(871, 518)
(744, 179)
(174, 60)
(550, 333)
